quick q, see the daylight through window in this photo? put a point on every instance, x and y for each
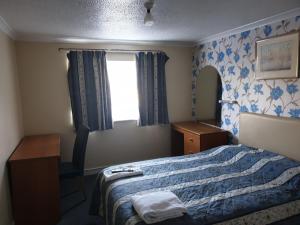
(123, 87)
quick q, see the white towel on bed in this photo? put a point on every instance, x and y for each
(123, 172)
(158, 206)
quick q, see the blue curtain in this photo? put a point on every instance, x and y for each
(152, 88)
(89, 89)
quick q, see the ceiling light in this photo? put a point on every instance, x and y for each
(148, 20)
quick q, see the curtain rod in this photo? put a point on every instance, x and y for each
(107, 50)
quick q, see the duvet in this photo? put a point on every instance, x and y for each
(232, 184)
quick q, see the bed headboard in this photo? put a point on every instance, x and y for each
(278, 134)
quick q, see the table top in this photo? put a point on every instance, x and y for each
(197, 127)
(37, 146)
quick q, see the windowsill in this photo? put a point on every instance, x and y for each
(135, 123)
(121, 121)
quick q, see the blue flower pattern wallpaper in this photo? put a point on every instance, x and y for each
(234, 58)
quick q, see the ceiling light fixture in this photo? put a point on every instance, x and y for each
(148, 20)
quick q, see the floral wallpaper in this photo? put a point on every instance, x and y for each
(234, 58)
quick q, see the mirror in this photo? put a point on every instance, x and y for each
(208, 94)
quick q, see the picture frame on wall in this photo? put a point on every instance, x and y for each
(277, 57)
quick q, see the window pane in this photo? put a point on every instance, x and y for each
(123, 86)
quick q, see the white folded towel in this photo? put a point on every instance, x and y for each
(121, 172)
(158, 206)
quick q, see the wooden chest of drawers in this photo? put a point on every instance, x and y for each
(34, 179)
(192, 137)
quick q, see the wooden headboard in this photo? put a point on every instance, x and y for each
(277, 134)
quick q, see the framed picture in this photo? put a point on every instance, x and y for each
(277, 57)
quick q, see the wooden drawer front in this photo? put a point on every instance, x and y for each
(191, 143)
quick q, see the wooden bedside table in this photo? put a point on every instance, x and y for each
(193, 137)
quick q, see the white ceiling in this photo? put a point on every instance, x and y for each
(185, 21)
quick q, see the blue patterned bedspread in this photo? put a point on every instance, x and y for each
(218, 185)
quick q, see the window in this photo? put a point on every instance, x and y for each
(123, 88)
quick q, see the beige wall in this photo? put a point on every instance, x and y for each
(46, 104)
(207, 82)
(11, 130)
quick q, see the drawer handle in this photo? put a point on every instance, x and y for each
(191, 140)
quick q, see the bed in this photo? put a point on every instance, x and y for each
(231, 184)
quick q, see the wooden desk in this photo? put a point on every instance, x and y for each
(192, 137)
(34, 179)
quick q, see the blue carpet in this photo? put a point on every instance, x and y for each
(78, 215)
